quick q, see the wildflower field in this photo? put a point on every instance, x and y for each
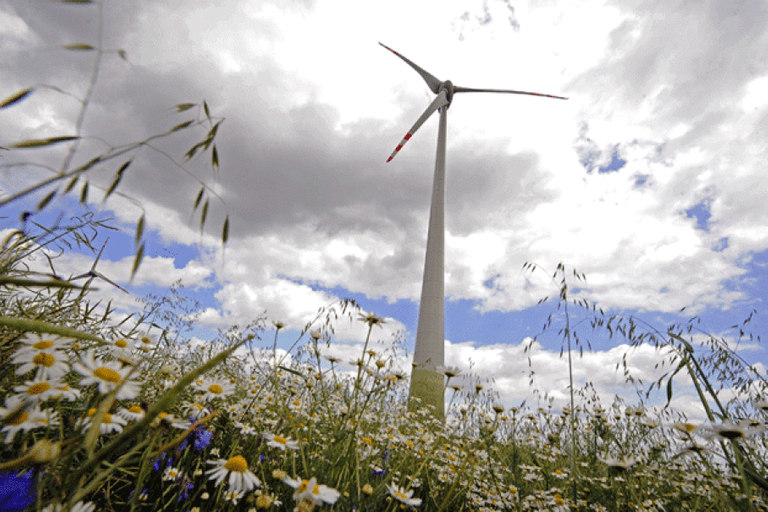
(109, 411)
(101, 414)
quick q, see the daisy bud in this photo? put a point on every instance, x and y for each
(45, 451)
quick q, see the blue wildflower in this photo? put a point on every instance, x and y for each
(186, 485)
(201, 438)
(157, 464)
(17, 491)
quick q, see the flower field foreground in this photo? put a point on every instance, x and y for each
(97, 415)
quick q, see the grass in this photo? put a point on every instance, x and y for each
(142, 419)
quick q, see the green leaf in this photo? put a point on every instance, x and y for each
(140, 229)
(205, 109)
(84, 193)
(11, 100)
(71, 184)
(181, 107)
(199, 198)
(36, 143)
(47, 199)
(215, 158)
(80, 47)
(291, 370)
(137, 260)
(20, 324)
(189, 154)
(181, 126)
(214, 130)
(204, 214)
(225, 231)
(118, 177)
(669, 390)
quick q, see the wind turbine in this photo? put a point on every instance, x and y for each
(427, 379)
(92, 273)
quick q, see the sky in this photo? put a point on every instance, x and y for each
(649, 180)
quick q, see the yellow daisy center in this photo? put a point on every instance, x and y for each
(135, 409)
(121, 343)
(237, 464)
(107, 374)
(215, 388)
(107, 418)
(44, 360)
(40, 387)
(146, 339)
(91, 412)
(20, 418)
(305, 484)
(42, 345)
(280, 439)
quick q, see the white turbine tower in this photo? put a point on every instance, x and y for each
(427, 381)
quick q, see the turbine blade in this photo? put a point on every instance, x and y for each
(87, 274)
(101, 276)
(438, 102)
(432, 82)
(469, 89)
(99, 256)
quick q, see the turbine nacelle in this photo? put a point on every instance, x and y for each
(449, 89)
(445, 90)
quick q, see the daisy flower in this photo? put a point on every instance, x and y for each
(619, 464)
(171, 473)
(146, 343)
(449, 371)
(310, 490)
(108, 375)
(63, 391)
(35, 343)
(370, 319)
(240, 478)
(730, 431)
(133, 413)
(50, 364)
(77, 507)
(196, 411)
(38, 390)
(214, 388)
(280, 442)
(233, 496)
(402, 496)
(16, 417)
(267, 500)
(247, 430)
(109, 423)
(170, 420)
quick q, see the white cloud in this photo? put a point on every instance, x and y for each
(314, 106)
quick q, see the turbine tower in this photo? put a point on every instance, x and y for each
(427, 379)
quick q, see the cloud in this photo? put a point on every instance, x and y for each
(313, 107)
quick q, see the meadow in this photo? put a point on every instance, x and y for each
(107, 411)
(123, 414)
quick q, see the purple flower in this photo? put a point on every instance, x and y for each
(17, 491)
(158, 463)
(201, 438)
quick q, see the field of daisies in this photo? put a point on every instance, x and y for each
(109, 412)
(105, 411)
